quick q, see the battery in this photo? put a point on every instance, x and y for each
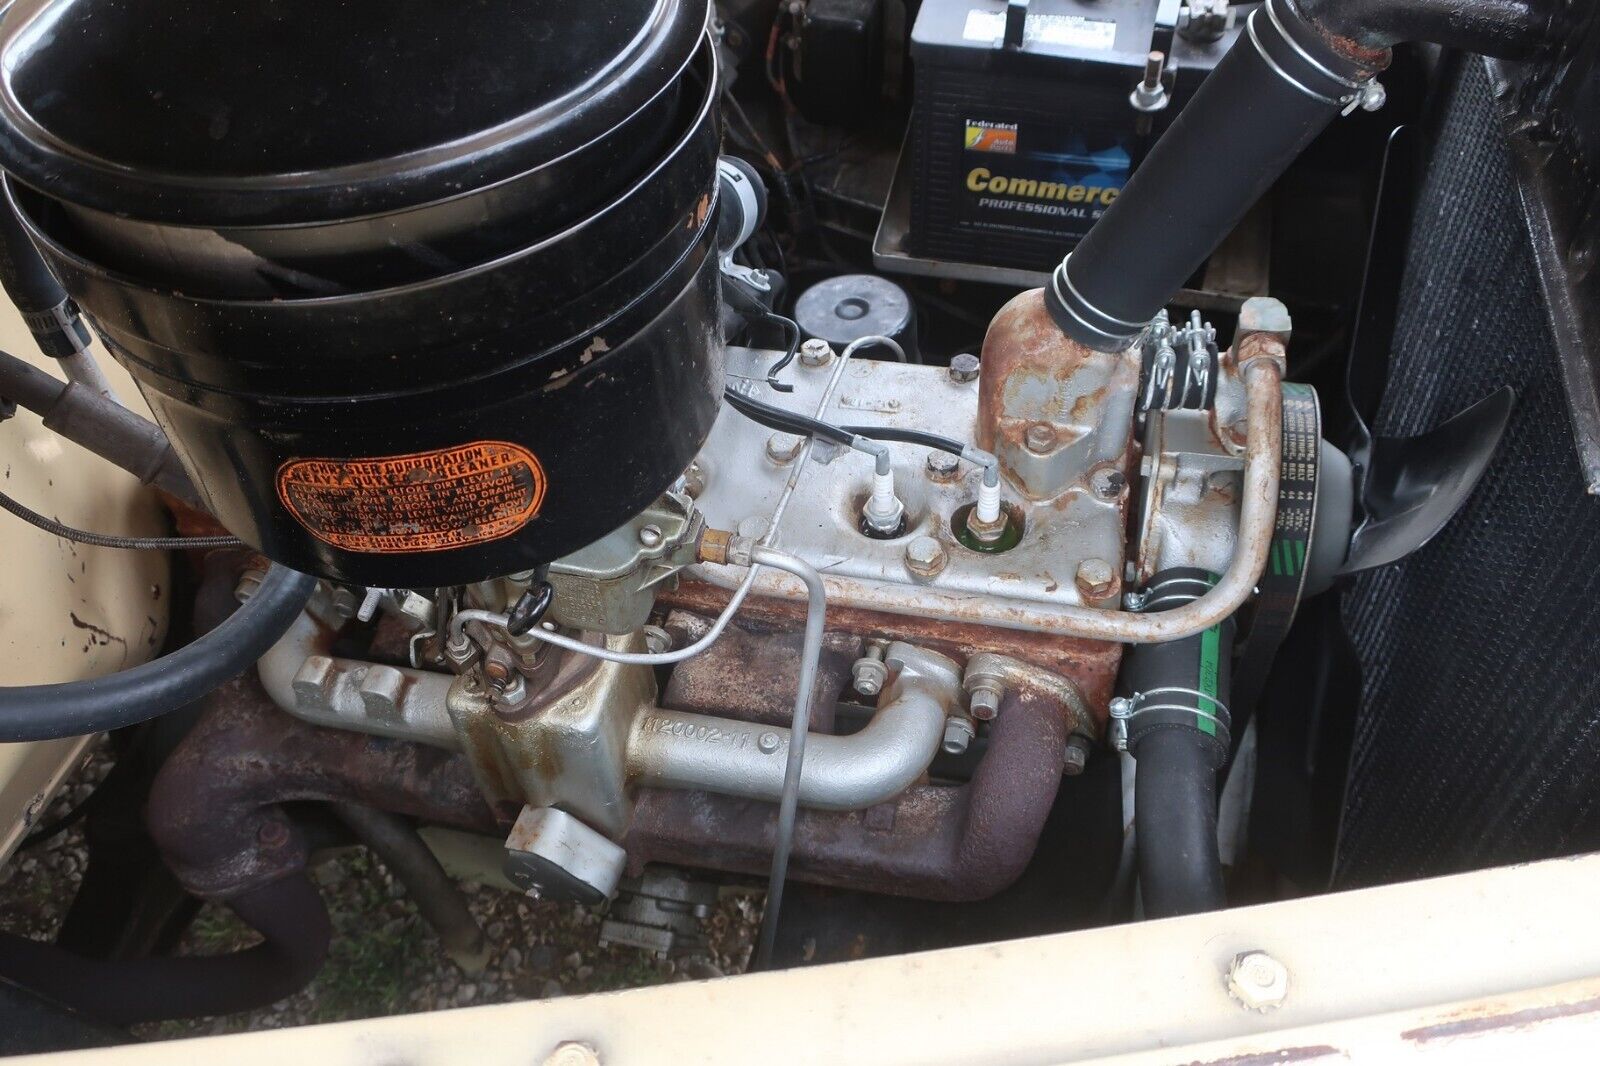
(1024, 127)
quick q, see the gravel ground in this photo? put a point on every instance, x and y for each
(384, 959)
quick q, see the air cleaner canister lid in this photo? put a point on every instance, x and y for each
(281, 112)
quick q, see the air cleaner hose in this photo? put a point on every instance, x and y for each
(79, 708)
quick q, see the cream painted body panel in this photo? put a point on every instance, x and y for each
(68, 611)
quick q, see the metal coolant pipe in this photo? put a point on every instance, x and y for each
(1280, 85)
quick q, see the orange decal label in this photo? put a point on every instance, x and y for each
(426, 501)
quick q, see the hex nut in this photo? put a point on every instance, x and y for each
(1258, 981)
(869, 675)
(958, 734)
(983, 699)
(816, 352)
(1040, 438)
(925, 556)
(943, 467)
(1076, 756)
(964, 368)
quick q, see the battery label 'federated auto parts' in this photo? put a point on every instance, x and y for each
(1029, 176)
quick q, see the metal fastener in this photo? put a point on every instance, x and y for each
(1258, 981)
(650, 536)
(1107, 482)
(1121, 711)
(983, 698)
(769, 743)
(816, 352)
(572, 1053)
(925, 556)
(869, 674)
(964, 368)
(943, 467)
(1096, 579)
(1040, 438)
(783, 447)
(958, 734)
(1076, 757)
(657, 640)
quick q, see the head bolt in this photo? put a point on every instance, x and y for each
(925, 556)
(958, 734)
(1076, 757)
(1040, 438)
(943, 467)
(1096, 579)
(783, 447)
(816, 352)
(964, 368)
(1258, 981)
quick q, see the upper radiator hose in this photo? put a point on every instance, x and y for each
(1298, 64)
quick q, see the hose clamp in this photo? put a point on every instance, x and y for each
(1124, 710)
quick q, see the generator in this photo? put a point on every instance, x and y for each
(1030, 115)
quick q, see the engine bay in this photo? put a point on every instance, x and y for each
(943, 467)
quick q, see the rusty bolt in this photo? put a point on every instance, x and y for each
(1096, 579)
(572, 1053)
(1076, 757)
(925, 556)
(958, 734)
(943, 467)
(964, 368)
(783, 447)
(694, 480)
(1040, 438)
(1258, 981)
(1107, 482)
(983, 699)
(816, 352)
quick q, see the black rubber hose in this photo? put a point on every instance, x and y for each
(1278, 87)
(402, 850)
(288, 913)
(80, 708)
(909, 436)
(1504, 29)
(50, 316)
(1179, 736)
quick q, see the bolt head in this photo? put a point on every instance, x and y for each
(651, 536)
(1373, 96)
(572, 1053)
(783, 447)
(958, 734)
(943, 467)
(869, 675)
(769, 743)
(1097, 579)
(1040, 438)
(816, 352)
(983, 702)
(657, 640)
(1258, 981)
(964, 368)
(1076, 757)
(925, 556)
